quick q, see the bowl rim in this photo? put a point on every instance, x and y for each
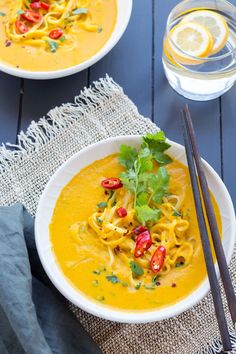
(55, 74)
(128, 316)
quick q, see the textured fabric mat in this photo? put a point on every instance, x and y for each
(97, 113)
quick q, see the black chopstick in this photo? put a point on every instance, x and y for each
(224, 271)
(215, 290)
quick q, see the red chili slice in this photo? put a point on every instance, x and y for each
(36, 4)
(139, 229)
(143, 243)
(55, 34)
(112, 183)
(21, 27)
(31, 16)
(121, 212)
(157, 259)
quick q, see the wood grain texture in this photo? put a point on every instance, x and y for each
(130, 62)
(167, 103)
(9, 107)
(41, 96)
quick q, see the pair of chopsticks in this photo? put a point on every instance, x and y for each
(196, 169)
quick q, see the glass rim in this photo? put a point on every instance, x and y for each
(202, 59)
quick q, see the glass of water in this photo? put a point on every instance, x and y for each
(199, 48)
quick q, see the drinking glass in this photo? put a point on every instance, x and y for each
(204, 78)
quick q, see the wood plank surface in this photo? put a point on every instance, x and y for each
(130, 61)
(9, 107)
(41, 96)
(167, 103)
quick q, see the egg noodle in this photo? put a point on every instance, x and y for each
(116, 234)
(68, 15)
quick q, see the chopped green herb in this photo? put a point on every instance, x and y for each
(111, 195)
(100, 29)
(2, 14)
(176, 213)
(20, 12)
(96, 271)
(100, 298)
(149, 286)
(113, 279)
(137, 287)
(99, 220)
(179, 264)
(136, 269)
(53, 46)
(155, 278)
(79, 11)
(124, 284)
(148, 187)
(95, 282)
(62, 39)
(102, 205)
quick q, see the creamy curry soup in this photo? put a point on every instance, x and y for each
(51, 35)
(124, 229)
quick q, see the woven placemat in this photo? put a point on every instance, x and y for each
(98, 113)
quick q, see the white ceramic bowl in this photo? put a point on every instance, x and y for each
(45, 210)
(124, 11)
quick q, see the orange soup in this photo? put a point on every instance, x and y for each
(126, 258)
(53, 35)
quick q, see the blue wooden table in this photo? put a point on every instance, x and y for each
(135, 63)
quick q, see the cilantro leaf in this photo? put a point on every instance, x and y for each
(129, 180)
(144, 162)
(102, 205)
(113, 279)
(79, 11)
(136, 269)
(162, 159)
(53, 46)
(162, 182)
(156, 142)
(146, 214)
(127, 156)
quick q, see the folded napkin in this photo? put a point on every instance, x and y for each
(34, 318)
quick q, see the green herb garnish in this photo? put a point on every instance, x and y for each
(136, 269)
(137, 287)
(100, 29)
(102, 205)
(99, 220)
(62, 39)
(79, 11)
(113, 279)
(176, 213)
(148, 187)
(155, 278)
(53, 46)
(150, 286)
(179, 264)
(20, 12)
(2, 14)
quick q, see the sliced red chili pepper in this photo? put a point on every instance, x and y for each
(21, 27)
(55, 34)
(143, 243)
(121, 212)
(31, 16)
(139, 229)
(157, 259)
(112, 183)
(44, 5)
(35, 5)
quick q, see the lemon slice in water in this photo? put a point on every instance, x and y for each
(192, 39)
(214, 22)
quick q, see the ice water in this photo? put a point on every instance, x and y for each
(210, 78)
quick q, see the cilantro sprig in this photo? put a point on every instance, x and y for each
(147, 186)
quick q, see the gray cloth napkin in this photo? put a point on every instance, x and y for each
(34, 318)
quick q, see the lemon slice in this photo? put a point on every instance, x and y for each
(214, 22)
(190, 39)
